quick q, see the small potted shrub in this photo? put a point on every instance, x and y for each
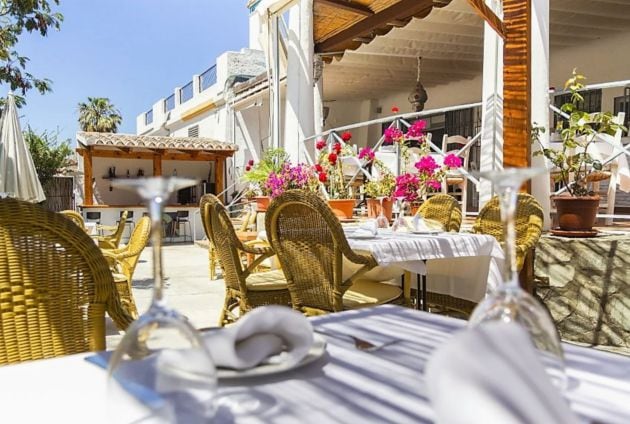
(380, 188)
(576, 169)
(330, 174)
(256, 174)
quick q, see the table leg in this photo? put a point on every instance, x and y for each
(422, 292)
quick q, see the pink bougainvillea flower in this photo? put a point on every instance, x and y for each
(395, 109)
(346, 136)
(332, 158)
(426, 165)
(417, 129)
(452, 161)
(392, 135)
(337, 148)
(434, 184)
(366, 153)
(250, 162)
(320, 144)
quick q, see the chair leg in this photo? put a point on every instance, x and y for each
(612, 193)
(212, 257)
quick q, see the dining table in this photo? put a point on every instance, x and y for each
(344, 385)
(465, 265)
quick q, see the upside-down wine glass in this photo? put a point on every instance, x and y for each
(400, 221)
(508, 302)
(381, 219)
(161, 361)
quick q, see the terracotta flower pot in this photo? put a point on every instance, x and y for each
(342, 208)
(262, 203)
(576, 213)
(374, 208)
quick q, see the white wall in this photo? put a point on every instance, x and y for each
(118, 196)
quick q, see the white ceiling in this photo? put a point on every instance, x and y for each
(450, 41)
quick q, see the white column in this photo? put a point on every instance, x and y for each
(492, 109)
(275, 75)
(299, 110)
(540, 98)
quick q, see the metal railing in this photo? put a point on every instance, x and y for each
(148, 117)
(169, 103)
(186, 92)
(208, 78)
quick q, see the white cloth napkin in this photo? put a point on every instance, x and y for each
(366, 228)
(260, 334)
(493, 374)
(418, 223)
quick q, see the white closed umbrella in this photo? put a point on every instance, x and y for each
(18, 176)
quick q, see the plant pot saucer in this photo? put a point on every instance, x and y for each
(573, 233)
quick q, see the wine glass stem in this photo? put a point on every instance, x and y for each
(156, 206)
(508, 212)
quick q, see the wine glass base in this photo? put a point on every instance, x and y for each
(243, 402)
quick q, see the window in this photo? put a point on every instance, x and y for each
(208, 78)
(193, 131)
(592, 103)
(169, 103)
(186, 93)
(148, 117)
(622, 104)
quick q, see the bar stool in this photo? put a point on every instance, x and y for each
(129, 223)
(96, 218)
(183, 218)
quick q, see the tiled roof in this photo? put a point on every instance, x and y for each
(154, 142)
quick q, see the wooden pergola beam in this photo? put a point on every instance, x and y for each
(489, 16)
(88, 176)
(349, 6)
(517, 65)
(401, 10)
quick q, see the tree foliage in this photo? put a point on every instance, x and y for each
(99, 115)
(17, 16)
(49, 154)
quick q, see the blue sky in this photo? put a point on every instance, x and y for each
(132, 51)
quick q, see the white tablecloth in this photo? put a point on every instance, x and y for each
(464, 265)
(345, 386)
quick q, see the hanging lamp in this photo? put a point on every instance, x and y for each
(418, 97)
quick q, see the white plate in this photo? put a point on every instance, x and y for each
(317, 351)
(427, 232)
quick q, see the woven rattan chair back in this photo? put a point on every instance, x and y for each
(137, 242)
(310, 244)
(116, 236)
(529, 223)
(222, 235)
(75, 217)
(443, 208)
(55, 286)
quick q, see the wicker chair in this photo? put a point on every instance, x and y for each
(123, 262)
(112, 240)
(75, 217)
(443, 208)
(311, 245)
(55, 286)
(529, 224)
(243, 288)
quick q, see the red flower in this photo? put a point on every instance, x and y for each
(323, 177)
(320, 144)
(332, 158)
(337, 148)
(248, 168)
(250, 162)
(395, 109)
(318, 167)
(346, 136)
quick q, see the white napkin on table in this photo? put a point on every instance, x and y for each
(366, 228)
(492, 374)
(260, 334)
(418, 223)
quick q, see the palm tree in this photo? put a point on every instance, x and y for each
(99, 115)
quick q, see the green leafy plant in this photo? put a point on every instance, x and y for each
(273, 161)
(17, 16)
(49, 154)
(575, 165)
(383, 186)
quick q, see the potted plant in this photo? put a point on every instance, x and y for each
(576, 168)
(291, 177)
(256, 174)
(379, 189)
(330, 174)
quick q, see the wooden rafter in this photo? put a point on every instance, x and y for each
(349, 6)
(489, 16)
(398, 11)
